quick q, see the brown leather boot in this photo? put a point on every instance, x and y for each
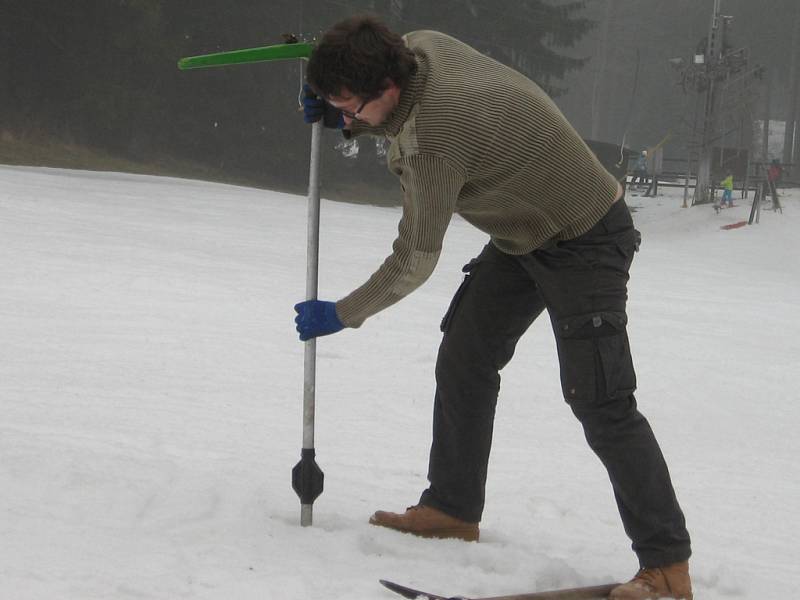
(427, 522)
(672, 581)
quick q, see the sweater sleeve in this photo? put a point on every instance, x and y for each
(431, 186)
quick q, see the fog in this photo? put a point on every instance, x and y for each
(94, 84)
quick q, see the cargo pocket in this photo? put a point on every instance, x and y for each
(595, 358)
(451, 310)
(628, 245)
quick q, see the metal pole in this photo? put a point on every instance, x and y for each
(312, 283)
(702, 193)
(789, 141)
(307, 477)
(767, 116)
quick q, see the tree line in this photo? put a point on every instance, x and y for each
(102, 73)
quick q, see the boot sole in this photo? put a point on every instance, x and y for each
(447, 533)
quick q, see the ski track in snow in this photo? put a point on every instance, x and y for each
(151, 389)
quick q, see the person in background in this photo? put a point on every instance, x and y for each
(774, 176)
(473, 137)
(640, 170)
(727, 187)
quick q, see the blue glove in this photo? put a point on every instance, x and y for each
(315, 108)
(316, 318)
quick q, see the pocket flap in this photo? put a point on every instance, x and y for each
(591, 325)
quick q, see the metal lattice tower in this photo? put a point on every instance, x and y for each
(726, 83)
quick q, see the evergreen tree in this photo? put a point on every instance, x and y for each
(524, 34)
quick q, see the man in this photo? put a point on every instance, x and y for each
(471, 136)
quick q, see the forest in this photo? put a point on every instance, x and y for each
(101, 75)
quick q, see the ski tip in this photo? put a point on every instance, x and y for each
(396, 588)
(410, 593)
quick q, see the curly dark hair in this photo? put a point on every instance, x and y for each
(359, 54)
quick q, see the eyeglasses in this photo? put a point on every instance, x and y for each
(354, 115)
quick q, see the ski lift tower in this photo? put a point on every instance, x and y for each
(710, 62)
(726, 82)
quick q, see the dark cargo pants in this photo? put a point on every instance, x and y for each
(583, 285)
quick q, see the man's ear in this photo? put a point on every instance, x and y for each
(389, 84)
(391, 90)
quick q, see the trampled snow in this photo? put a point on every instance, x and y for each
(151, 388)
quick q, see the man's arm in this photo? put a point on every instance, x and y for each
(431, 186)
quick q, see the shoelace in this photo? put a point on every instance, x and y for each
(648, 577)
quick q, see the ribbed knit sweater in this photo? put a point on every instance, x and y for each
(474, 137)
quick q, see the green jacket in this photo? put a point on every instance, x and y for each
(727, 183)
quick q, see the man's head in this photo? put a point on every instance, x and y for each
(361, 66)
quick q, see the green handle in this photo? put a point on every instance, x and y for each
(249, 55)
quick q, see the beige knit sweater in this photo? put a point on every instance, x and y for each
(474, 137)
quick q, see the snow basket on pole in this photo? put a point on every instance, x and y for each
(307, 477)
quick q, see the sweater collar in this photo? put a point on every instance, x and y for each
(408, 98)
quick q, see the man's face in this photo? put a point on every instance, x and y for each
(372, 111)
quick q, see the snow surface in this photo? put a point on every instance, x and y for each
(151, 389)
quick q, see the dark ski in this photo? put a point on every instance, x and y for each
(412, 594)
(595, 592)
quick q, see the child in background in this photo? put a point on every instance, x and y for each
(727, 186)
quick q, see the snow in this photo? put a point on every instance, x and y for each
(151, 389)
